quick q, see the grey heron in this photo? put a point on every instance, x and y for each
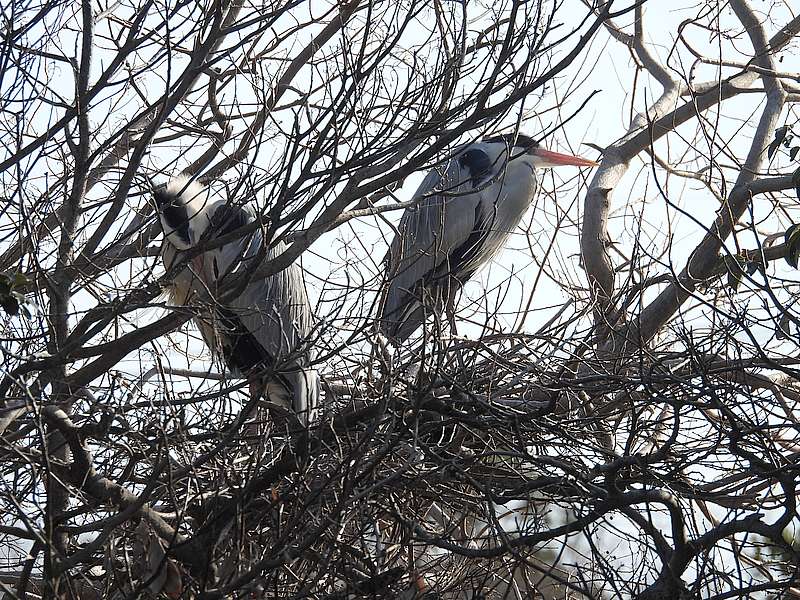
(466, 211)
(262, 328)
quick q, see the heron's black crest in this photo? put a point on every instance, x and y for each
(478, 163)
(522, 141)
(174, 213)
(162, 198)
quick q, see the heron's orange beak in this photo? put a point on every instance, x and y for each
(548, 158)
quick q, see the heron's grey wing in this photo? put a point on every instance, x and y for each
(433, 239)
(502, 205)
(274, 310)
(277, 313)
(219, 323)
(282, 322)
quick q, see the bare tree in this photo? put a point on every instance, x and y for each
(618, 418)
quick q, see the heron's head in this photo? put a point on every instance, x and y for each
(541, 158)
(182, 206)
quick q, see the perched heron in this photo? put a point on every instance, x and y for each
(264, 326)
(466, 211)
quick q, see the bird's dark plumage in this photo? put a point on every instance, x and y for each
(174, 214)
(477, 163)
(261, 326)
(521, 141)
(466, 210)
(454, 230)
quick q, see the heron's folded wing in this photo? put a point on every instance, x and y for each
(432, 236)
(278, 314)
(274, 310)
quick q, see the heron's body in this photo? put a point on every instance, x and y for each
(264, 326)
(466, 212)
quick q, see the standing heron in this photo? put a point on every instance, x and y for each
(466, 211)
(260, 329)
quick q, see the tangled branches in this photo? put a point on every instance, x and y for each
(616, 414)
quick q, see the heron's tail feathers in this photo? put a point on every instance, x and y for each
(302, 395)
(398, 323)
(400, 318)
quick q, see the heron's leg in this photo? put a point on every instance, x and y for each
(450, 310)
(255, 387)
(252, 429)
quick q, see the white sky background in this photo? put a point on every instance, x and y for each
(353, 252)
(607, 67)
